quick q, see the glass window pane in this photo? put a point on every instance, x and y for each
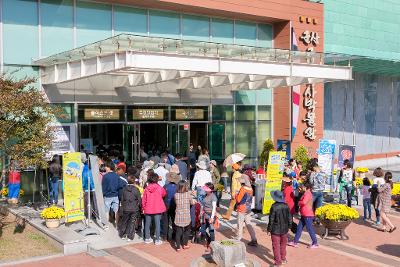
(130, 20)
(264, 132)
(222, 113)
(57, 26)
(229, 138)
(246, 138)
(245, 113)
(245, 33)
(164, 24)
(93, 22)
(222, 31)
(245, 97)
(20, 31)
(264, 97)
(264, 112)
(264, 35)
(196, 28)
(216, 137)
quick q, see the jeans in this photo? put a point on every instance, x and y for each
(203, 230)
(182, 236)
(53, 190)
(348, 189)
(111, 203)
(148, 219)
(378, 215)
(245, 218)
(317, 199)
(308, 222)
(225, 183)
(279, 243)
(200, 194)
(367, 207)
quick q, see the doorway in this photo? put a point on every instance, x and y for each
(198, 134)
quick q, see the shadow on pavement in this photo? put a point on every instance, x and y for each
(389, 249)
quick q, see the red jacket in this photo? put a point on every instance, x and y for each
(305, 204)
(289, 198)
(152, 200)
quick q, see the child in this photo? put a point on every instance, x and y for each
(300, 180)
(288, 192)
(366, 198)
(377, 181)
(243, 208)
(280, 222)
(183, 200)
(209, 207)
(307, 217)
(130, 209)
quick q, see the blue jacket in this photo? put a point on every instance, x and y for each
(112, 184)
(169, 198)
(87, 174)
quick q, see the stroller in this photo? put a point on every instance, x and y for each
(195, 214)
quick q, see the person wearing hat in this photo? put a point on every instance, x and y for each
(235, 187)
(214, 172)
(201, 177)
(279, 223)
(243, 201)
(168, 217)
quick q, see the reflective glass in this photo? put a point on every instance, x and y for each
(264, 35)
(20, 31)
(245, 97)
(245, 113)
(222, 113)
(246, 138)
(222, 31)
(93, 22)
(229, 138)
(245, 33)
(23, 72)
(195, 28)
(264, 112)
(164, 24)
(264, 132)
(130, 20)
(56, 18)
(264, 97)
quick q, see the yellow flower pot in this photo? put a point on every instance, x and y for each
(52, 223)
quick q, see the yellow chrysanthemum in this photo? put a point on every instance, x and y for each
(336, 212)
(52, 212)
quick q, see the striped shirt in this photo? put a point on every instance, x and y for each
(182, 212)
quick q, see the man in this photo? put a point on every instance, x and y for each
(111, 185)
(215, 175)
(182, 165)
(161, 171)
(235, 187)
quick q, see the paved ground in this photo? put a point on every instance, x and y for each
(366, 247)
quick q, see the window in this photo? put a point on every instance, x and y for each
(264, 112)
(195, 28)
(245, 33)
(245, 97)
(222, 113)
(222, 31)
(20, 32)
(165, 24)
(130, 20)
(93, 22)
(56, 18)
(264, 35)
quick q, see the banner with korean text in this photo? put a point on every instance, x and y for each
(274, 177)
(326, 156)
(73, 192)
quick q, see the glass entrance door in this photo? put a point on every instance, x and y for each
(132, 143)
(178, 138)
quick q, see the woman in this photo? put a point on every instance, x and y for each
(173, 179)
(347, 179)
(55, 171)
(204, 156)
(214, 172)
(307, 217)
(209, 206)
(378, 173)
(384, 202)
(153, 206)
(182, 216)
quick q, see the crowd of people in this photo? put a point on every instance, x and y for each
(176, 198)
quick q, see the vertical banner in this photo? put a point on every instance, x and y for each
(274, 177)
(73, 192)
(284, 146)
(346, 152)
(326, 155)
(94, 164)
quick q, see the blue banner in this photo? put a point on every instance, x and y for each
(284, 146)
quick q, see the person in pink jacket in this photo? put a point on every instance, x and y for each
(307, 217)
(153, 206)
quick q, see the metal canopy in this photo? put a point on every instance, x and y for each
(128, 66)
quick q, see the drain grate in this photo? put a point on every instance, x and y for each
(97, 252)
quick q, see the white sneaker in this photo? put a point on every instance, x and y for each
(158, 242)
(124, 238)
(148, 241)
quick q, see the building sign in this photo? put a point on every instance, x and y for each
(101, 114)
(148, 114)
(189, 114)
(61, 139)
(309, 37)
(310, 118)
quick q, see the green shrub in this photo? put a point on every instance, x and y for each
(301, 155)
(267, 147)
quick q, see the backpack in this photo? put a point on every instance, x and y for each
(246, 200)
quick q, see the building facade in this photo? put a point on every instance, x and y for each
(238, 120)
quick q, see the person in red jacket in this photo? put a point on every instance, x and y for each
(153, 206)
(307, 217)
(288, 193)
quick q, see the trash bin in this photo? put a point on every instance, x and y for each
(259, 194)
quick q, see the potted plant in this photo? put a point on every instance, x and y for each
(4, 193)
(362, 171)
(52, 216)
(396, 194)
(335, 218)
